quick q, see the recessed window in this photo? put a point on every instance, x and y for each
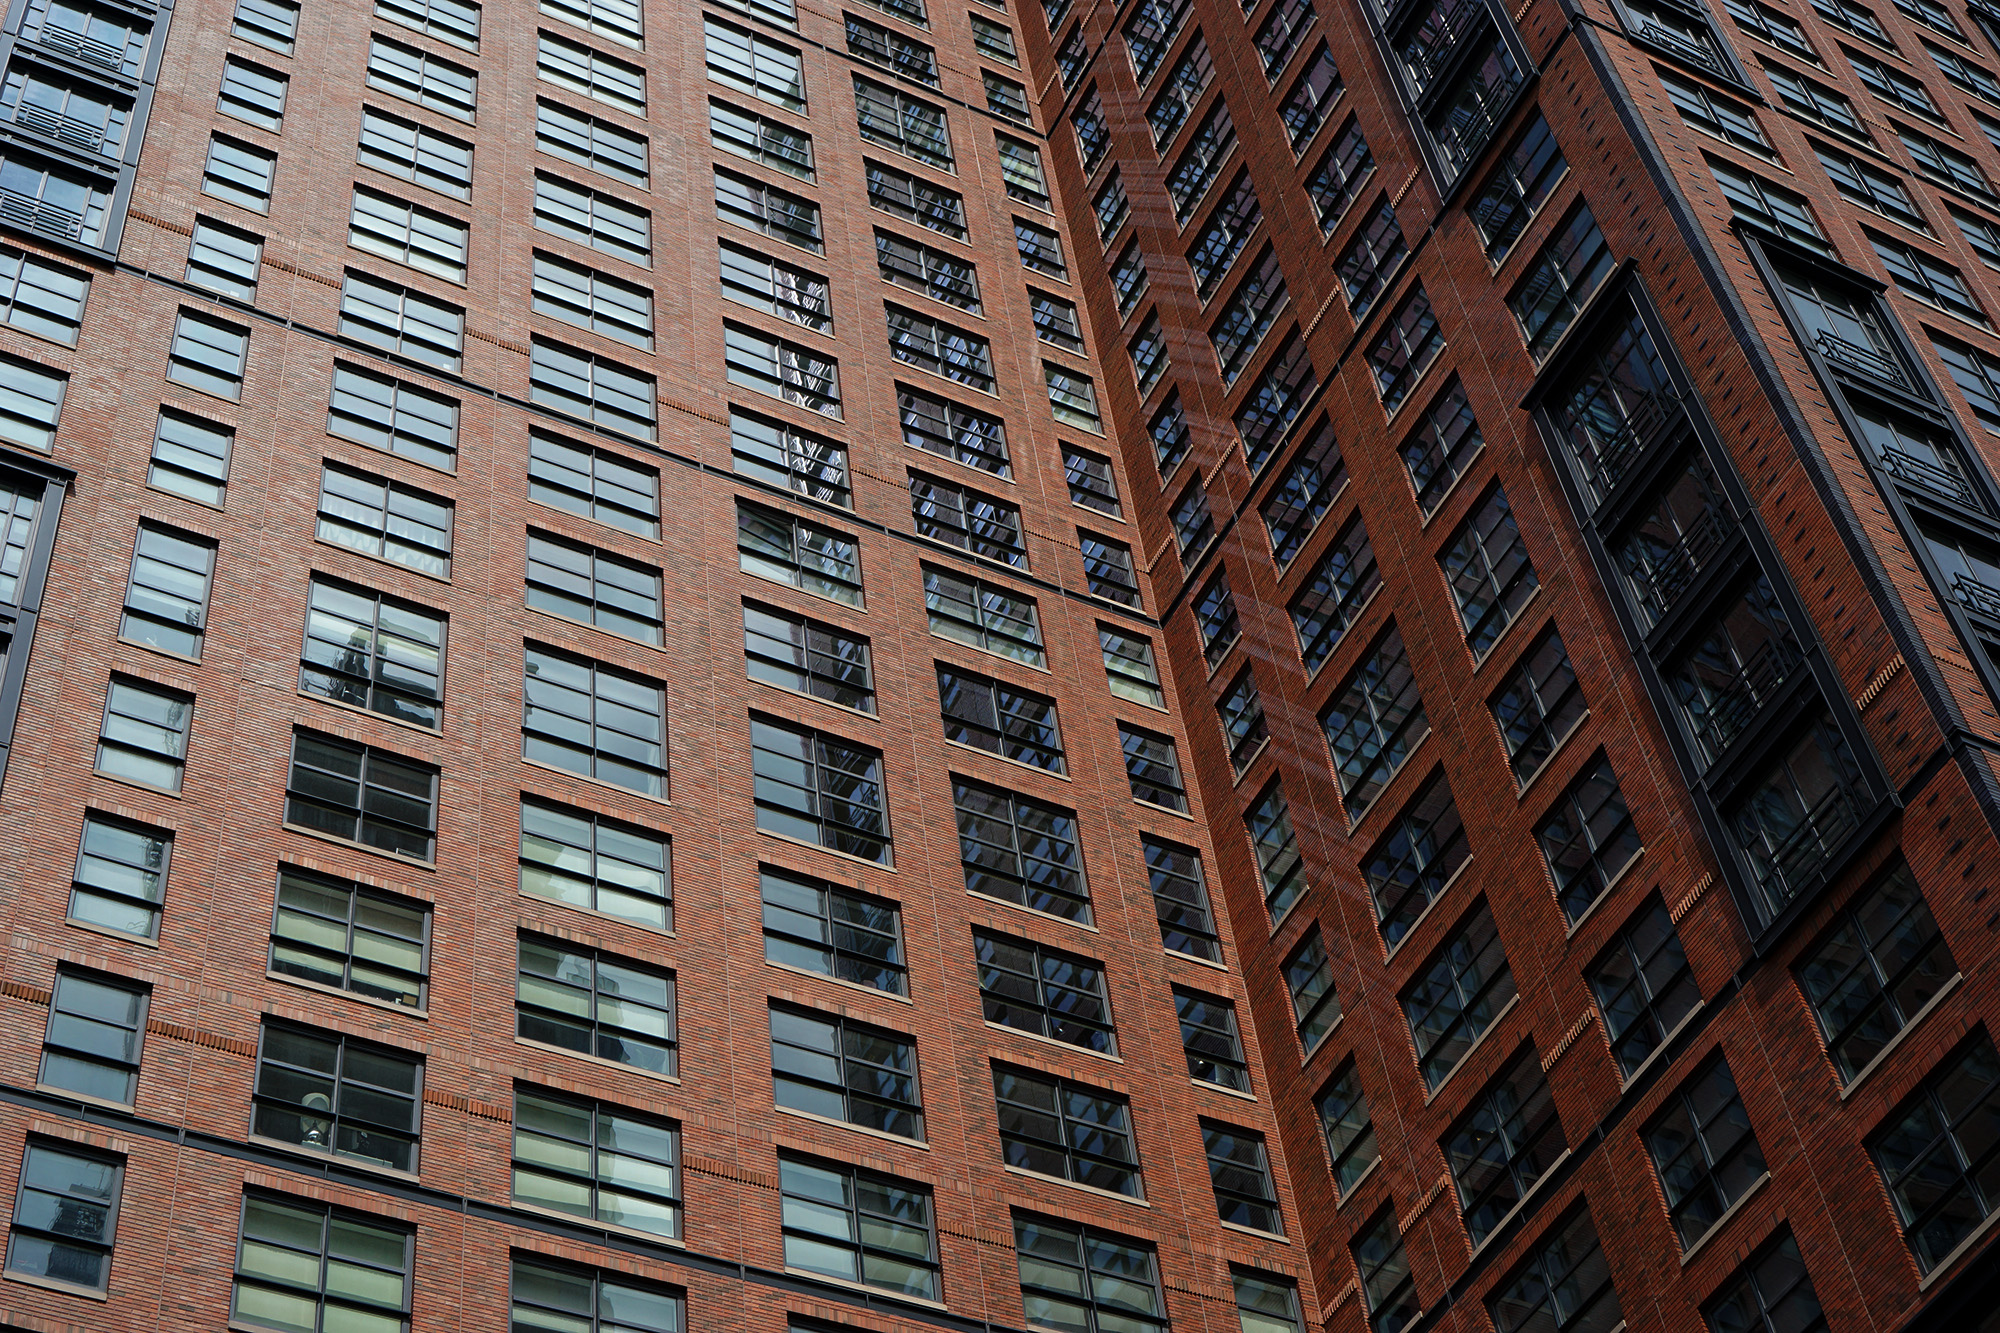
(817, 560)
(385, 519)
(601, 221)
(272, 23)
(858, 1226)
(1005, 97)
(1252, 309)
(594, 388)
(423, 78)
(1201, 161)
(1772, 1286)
(208, 355)
(1214, 611)
(239, 173)
(1371, 259)
(1408, 345)
(1704, 1150)
(776, 288)
(1487, 568)
(995, 716)
(1169, 432)
(121, 876)
(1457, 994)
(1180, 93)
(617, 19)
(981, 524)
(1304, 492)
(1180, 899)
(454, 21)
(1021, 172)
(751, 63)
(769, 211)
(1269, 824)
(599, 865)
(1275, 400)
(310, 1265)
(166, 596)
(580, 69)
(145, 733)
(1715, 115)
(594, 587)
(252, 93)
(596, 1161)
(594, 483)
(985, 616)
(221, 258)
(409, 234)
(1875, 971)
(820, 789)
(66, 1215)
(362, 794)
(1350, 1134)
(1026, 985)
(96, 1026)
(1245, 1195)
(1107, 568)
(1212, 1041)
(1040, 249)
(833, 930)
(786, 370)
(595, 1004)
(1315, 1002)
(943, 349)
(903, 195)
(1341, 586)
(329, 1093)
(1129, 280)
(31, 402)
(1220, 240)
(1375, 723)
(191, 457)
(1388, 1289)
(1083, 1279)
(846, 1071)
(1539, 704)
(594, 721)
(1240, 710)
(1149, 33)
(928, 271)
(1504, 1145)
(1129, 667)
(374, 652)
(350, 937)
(1643, 986)
(1411, 867)
(1068, 1130)
(939, 426)
(1588, 838)
(993, 40)
(1565, 1283)
(1055, 321)
(1020, 851)
(591, 1301)
(416, 153)
(808, 657)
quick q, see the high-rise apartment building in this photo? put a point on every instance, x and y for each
(937, 665)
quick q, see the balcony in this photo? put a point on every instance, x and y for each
(1864, 361)
(31, 214)
(1721, 707)
(1928, 475)
(1661, 572)
(1976, 596)
(80, 47)
(1687, 48)
(1608, 440)
(67, 129)
(1789, 866)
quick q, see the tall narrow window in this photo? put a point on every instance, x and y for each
(1375, 722)
(1180, 900)
(1937, 1156)
(166, 595)
(1411, 867)
(1704, 1150)
(1882, 962)
(1303, 493)
(1340, 588)
(1504, 1145)
(1588, 838)
(1240, 710)
(1552, 293)
(1212, 1041)
(66, 1215)
(1315, 1002)
(1238, 1168)
(1488, 570)
(1539, 705)
(1269, 823)
(1409, 343)
(1388, 1291)
(1350, 1134)
(96, 1025)
(1458, 995)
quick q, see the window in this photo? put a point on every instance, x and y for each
(551, 1300)
(905, 124)
(1981, 236)
(833, 930)
(1340, 588)
(121, 876)
(1241, 712)
(1020, 851)
(1129, 668)
(393, 416)
(309, 1265)
(166, 596)
(1977, 376)
(1815, 102)
(819, 789)
(1314, 94)
(1773, 26)
(748, 62)
(272, 23)
(373, 652)
(427, 241)
(1350, 1134)
(1150, 32)
(1563, 1286)
(1717, 116)
(145, 734)
(985, 616)
(1704, 1151)
(588, 719)
(994, 716)
(349, 937)
(1220, 240)
(1934, 1157)
(96, 1026)
(858, 1226)
(589, 386)
(1303, 493)
(1052, 994)
(190, 457)
(328, 1093)
(420, 77)
(769, 211)
(1072, 1131)
(909, 11)
(808, 657)
(1929, 280)
(1212, 1042)
(1854, 18)
(1519, 186)
(1869, 188)
(252, 93)
(1180, 93)
(416, 153)
(1371, 259)
(593, 483)
(45, 300)
(1416, 862)
(385, 519)
(1556, 286)
(238, 173)
(813, 559)
(1343, 170)
(1128, 277)
(1040, 248)
(1154, 768)
(1214, 611)
(596, 1161)
(1488, 570)
(785, 370)
(1962, 73)
(1457, 995)
(1893, 86)
(1932, 15)
(1169, 431)
(1275, 401)
(929, 272)
(1073, 55)
(1388, 1291)
(66, 1215)
(593, 587)
(1072, 398)
(208, 355)
(946, 512)
(943, 349)
(1588, 838)
(1021, 172)
(1538, 706)
(1875, 971)
(454, 21)
(993, 40)
(595, 301)
(1315, 1002)
(401, 319)
(903, 195)
(1770, 1294)
(580, 69)
(761, 139)
(1107, 568)
(1780, 212)
(1201, 161)
(574, 857)
(775, 287)
(1504, 1145)
(1092, 483)
(1252, 309)
(1241, 1175)
(362, 794)
(1194, 526)
(1643, 987)
(1375, 722)
(1180, 899)
(1055, 321)
(1005, 97)
(844, 1071)
(942, 427)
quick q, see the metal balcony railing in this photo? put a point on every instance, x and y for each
(22, 210)
(1976, 596)
(1946, 481)
(1732, 702)
(1684, 46)
(1787, 868)
(78, 133)
(1609, 442)
(1867, 361)
(83, 48)
(1663, 578)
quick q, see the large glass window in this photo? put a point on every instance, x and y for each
(591, 1160)
(1027, 985)
(328, 1093)
(858, 1226)
(1458, 995)
(1068, 1130)
(66, 1215)
(820, 789)
(302, 1265)
(1704, 1150)
(573, 857)
(846, 1071)
(96, 1026)
(595, 1004)
(833, 930)
(1078, 1280)
(373, 652)
(351, 937)
(1503, 1146)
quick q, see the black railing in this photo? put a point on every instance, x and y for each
(1732, 702)
(1608, 443)
(1667, 573)
(1686, 47)
(1869, 361)
(1788, 868)
(1936, 478)
(1976, 596)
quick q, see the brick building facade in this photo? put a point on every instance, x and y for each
(1437, 722)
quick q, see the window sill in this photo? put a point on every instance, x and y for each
(1227, 1092)
(1257, 1232)
(401, 858)
(1625, 872)
(1728, 1216)
(849, 1284)
(1026, 1174)
(1525, 1202)
(601, 1062)
(84, 1098)
(598, 1224)
(1882, 1056)
(1519, 618)
(631, 792)
(821, 848)
(433, 732)
(333, 1159)
(858, 607)
(379, 560)
(1163, 809)
(1628, 1083)
(1959, 1251)
(126, 936)
(1060, 1045)
(1198, 962)
(56, 1284)
(135, 784)
(534, 610)
(1018, 763)
(322, 988)
(1478, 1042)
(1522, 793)
(1032, 911)
(837, 981)
(1430, 907)
(1249, 762)
(801, 694)
(853, 1128)
(1347, 1196)
(601, 916)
